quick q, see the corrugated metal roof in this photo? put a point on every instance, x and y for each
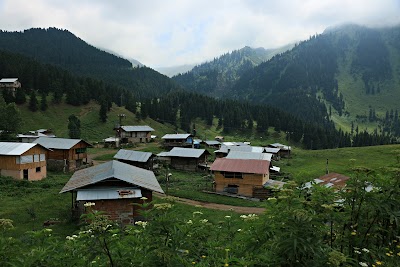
(58, 143)
(272, 150)
(113, 169)
(175, 136)
(108, 193)
(212, 142)
(227, 149)
(332, 179)
(132, 155)
(111, 139)
(281, 146)
(241, 165)
(14, 149)
(8, 80)
(274, 184)
(249, 155)
(143, 128)
(183, 153)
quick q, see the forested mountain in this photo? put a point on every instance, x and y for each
(217, 76)
(63, 49)
(349, 73)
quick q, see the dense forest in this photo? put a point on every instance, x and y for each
(218, 75)
(62, 48)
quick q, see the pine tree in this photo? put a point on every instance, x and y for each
(33, 102)
(74, 127)
(43, 102)
(103, 110)
(20, 97)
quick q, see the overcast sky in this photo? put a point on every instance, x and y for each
(166, 33)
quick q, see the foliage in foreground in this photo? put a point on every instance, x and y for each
(358, 226)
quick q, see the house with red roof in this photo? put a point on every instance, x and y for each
(240, 176)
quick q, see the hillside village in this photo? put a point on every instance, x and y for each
(239, 169)
(285, 167)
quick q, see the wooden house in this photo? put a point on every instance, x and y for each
(31, 136)
(240, 176)
(134, 134)
(177, 140)
(10, 84)
(185, 158)
(139, 159)
(64, 154)
(113, 187)
(274, 151)
(23, 161)
(212, 143)
(284, 150)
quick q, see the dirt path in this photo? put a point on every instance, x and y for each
(215, 206)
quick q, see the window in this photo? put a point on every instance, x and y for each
(26, 159)
(38, 169)
(36, 158)
(237, 175)
(42, 157)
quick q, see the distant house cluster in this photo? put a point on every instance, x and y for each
(238, 169)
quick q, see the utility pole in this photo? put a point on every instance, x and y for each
(327, 170)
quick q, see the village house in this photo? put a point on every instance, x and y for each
(284, 150)
(10, 84)
(188, 159)
(227, 147)
(23, 161)
(139, 159)
(240, 176)
(212, 143)
(64, 154)
(334, 180)
(114, 187)
(134, 134)
(274, 151)
(33, 135)
(177, 140)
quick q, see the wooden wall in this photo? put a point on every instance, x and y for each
(245, 184)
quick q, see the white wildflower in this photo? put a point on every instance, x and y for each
(189, 222)
(365, 250)
(227, 216)
(162, 206)
(363, 264)
(239, 230)
(69, 237)
(271, 198)
(141, 223)
(204, 221)
(144, 198)
(89, 204)
(357, 252)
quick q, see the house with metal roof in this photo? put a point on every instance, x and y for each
(65, 154)
(224, 150)
(240, 176)
(23, 161)
(136, 158)
(113, 187)
(284, 150)
(177, 140)
(185, 158)
(212, 143)
(10, 83)
(134, 134)
(249, 155)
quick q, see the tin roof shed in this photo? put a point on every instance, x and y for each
(113, 170)
(132, 155)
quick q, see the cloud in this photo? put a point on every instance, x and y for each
(164, 33)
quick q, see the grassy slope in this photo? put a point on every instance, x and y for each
(359, 103)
